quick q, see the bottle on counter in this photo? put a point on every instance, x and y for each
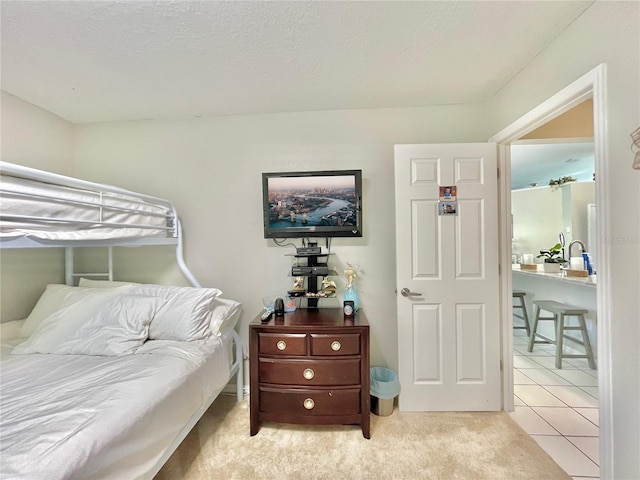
(587, 263)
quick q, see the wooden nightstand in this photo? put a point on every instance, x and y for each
(310, 367)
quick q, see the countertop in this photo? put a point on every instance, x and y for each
(560, 277)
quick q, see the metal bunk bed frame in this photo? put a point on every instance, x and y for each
(174, 237)
(173, 227)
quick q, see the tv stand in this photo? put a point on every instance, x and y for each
(314, 271)
(311, 250)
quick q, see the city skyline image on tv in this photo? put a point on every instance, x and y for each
(312, 201)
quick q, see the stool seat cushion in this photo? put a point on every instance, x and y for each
(557, 307)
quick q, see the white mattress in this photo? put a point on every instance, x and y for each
(76, 214)
(78, 416)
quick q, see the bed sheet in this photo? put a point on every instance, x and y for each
(79, 416)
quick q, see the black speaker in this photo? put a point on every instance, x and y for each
(348, 307)
(278, 307)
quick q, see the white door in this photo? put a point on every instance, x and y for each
(447, 268)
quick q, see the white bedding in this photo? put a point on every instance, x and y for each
(82, 416)
(75, 214)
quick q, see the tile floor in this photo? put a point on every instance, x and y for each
(557, 407)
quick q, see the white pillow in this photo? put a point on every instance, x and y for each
(106, 324)
(62, 297)
(185, 314)
(49, 302)
(88, 283)
(223, 315)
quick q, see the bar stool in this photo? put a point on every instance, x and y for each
(524, 316)
(562, 310)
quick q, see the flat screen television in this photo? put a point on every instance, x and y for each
(312, 204)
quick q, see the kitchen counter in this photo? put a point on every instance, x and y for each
(577, 291)
(560, 277)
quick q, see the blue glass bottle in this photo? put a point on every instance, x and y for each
(351, 294)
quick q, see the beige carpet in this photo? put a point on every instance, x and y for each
(452, 445)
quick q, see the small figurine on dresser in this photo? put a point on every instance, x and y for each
(328, 287)
(298, 285)
(350, 293)
(351, 273)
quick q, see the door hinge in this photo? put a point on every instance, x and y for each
(498, 168)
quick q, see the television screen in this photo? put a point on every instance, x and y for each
(312, 204)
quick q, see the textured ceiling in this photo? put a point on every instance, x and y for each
(103, 61)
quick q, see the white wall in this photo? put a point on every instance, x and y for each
(212, 169)
(35, 138)
(607, 33)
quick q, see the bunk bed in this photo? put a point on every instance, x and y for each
(104, 378)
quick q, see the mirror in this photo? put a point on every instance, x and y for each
(540, 211)
(535, 162)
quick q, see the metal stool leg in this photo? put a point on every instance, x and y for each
(559, 339)
(532, 335)
(525, 315)
(587, 343)
(534, 331)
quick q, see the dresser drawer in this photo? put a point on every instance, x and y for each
(309, 372)
(282, 344)
(310, 402)
(337, 344)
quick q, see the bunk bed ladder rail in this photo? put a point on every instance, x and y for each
(70, 274)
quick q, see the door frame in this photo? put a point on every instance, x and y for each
(591, 85)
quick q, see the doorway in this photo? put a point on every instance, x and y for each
(557, 407)
(591, 85)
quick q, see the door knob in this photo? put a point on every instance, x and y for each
(405, 292)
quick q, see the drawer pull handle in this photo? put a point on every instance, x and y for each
(309, 404)
(335, 346)
(281, 345)
(308, 373)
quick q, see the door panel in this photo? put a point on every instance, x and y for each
(425, 240)
(470, 324)
(448, 334)
(469, 239)
(427, 341)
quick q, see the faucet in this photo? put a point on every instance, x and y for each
(584, 249)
